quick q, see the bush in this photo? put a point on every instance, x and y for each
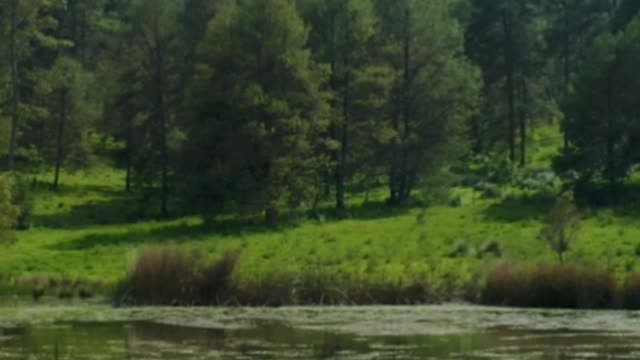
(489, 190)
(214, 284)
(631, 293)
(8, 211)
(21, 198)
(537, 181)
(492, 248)
(168, 276)
(504, 287)
(461, 249)
(569, 287)
(550, 286)
(162, 276)
(271, 290)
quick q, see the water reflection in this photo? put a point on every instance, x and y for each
(279, 340)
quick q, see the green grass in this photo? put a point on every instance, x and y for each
(377, 244)
(84, 231)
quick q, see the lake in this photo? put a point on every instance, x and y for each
(431, 332)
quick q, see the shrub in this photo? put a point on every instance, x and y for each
(550, 286)
(21, 198)
(489, 190)
(455, 202)
(214, 283)
(168, 276)
(461, 249)
(317, 287)
(492, 248)
(630, 295)
(541, 182)
(271, 290)
(503, 287)
(8, 211)
(163, 276)
(570, 287)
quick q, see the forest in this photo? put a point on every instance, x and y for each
(127, 123)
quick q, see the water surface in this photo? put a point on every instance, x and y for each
(438, 332)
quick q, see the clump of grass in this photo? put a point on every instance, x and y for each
(162, 276)
(461, 249)
(37, 284)
(86, 292)
(550, 286)
(276, 289)
(321, 288)
(504, 286)
(169, 276)
(317, 287)
(214, 280)
(630, 293)
(394, 293)
(569, 287)
(65, 293)
(490, 248)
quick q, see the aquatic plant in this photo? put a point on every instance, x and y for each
(550, 286)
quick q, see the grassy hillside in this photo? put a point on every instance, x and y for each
(84, 231)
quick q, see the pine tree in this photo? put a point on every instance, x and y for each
(604, 133)
(260, 109)
(435, 91)
(72, 114)
(341, 32)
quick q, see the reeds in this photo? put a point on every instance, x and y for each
(550, 286)
(169, 276)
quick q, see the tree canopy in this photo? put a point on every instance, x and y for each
(269, 106)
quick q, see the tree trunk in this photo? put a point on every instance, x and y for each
(15, 84)
(164, 158)
(406, 110)
(161, 122)
(271, 216)
(341, 168)
(128, 115)
(59, 137)
(127, 180)
(128, 153)
(566, 70)
(610, 156)
(523, 123)
(509, 60)
(327, 184)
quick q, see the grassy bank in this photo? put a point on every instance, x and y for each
(87, 235)
(84, 232)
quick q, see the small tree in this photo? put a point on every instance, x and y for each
(562, 227)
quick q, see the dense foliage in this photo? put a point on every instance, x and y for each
(265, 106)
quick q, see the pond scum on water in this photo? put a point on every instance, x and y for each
(415, 332)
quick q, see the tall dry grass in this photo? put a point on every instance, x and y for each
(169, 276)
(550, 286)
